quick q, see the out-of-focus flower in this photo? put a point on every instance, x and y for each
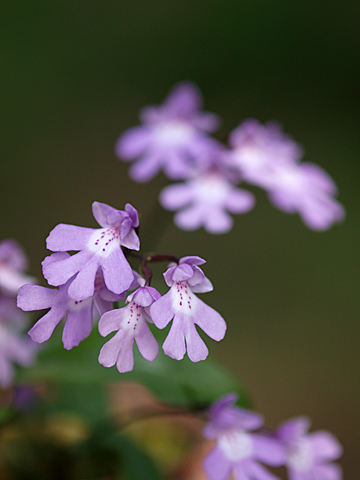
(130, 321)
(98, 247)
(13, 263)
(309, 455)
(79, 313)
(186, 310)
(173, 136)
(266, 157)
(236, 450)
(15, 347)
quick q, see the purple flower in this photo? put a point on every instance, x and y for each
(186, 310)
(14, 346)
(13, 263)
(130, 323)
(98, 247)
(172, 138)
(236, 450)
(259, 149)
(79, 313)
(307, 189)
(204, 201)
(309, 456)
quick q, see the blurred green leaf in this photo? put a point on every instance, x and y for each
(182, 383)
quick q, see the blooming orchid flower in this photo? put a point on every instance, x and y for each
(172, 138)
(98, 247)
(236, 450)
(130, 323)
(79, 313)
(13, 262)
(186, 310)
(309, 456)
(15, 347)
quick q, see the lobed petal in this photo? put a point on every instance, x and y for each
(34, 297)
(210, 321)
(269, 450)
(118, 274)
(78, 326)
(68, 237)
(146, 342)
(196, 348)
(43, 328)
(133, 143)
(216, 465)
(161, 311)
(174, 345)
(325, 446)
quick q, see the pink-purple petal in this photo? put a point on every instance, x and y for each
(327, 472)
(43, 328)
(216, 465)
(77, 327)
(176, 196)
(34, 297)
(268, 450)
(146, 167)
(111, 321)
(196, 348)
(161, 311)
(58, 273)
(210, 321)
(174, 345)
(83, 286)
(146, 342)
(258, 472)
(133, 143)
(118, 274)
(68, 237)
(325, 446)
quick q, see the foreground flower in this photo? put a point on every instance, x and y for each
(15, 347)
(130, 322)
(98, 247)
(309, 456)
(172, 138)
(13, 263)
(236, 450)
(79, 313)
(186, 310)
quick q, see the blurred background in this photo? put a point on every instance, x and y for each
(74, 76)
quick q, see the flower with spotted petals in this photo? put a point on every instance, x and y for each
(181, 305)
(98, 248)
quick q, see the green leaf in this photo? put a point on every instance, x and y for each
(181, 383)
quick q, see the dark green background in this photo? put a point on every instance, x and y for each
(74, 75)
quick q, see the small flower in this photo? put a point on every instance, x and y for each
(130, 321)
(236, 450)
(259, 149)
(13, 263)
(98, 247)
(186, 310)
(309, 456)
(14, 346)
(306, 189)
(204, 201)
(172, 138)
(79, 313)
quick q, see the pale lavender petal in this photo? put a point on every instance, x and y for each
(77, 327)
(183, 100)
(206, 121)
(196, 348)
(283, 201)
(105, 215)
(145, 296)
(168, 274)
(83, 286)
(197, 278)
(177, 165)
(43, 328)
(174, 345)
(325, 446)
(54, 257)
(34, 297)
(131, 240)
(110, 351)
(268, 450)
(319, 177)
(118, 274)
(192, 260)
(327, 472)
(111, 321)
(161, 311)
(133, 143)
(216, 465)
(182, 272)
(204, 287)
(239, 201)
(133, 214)
(68, 237)
(146, 167)
(125, 361)
(146, 342)
(210, 321)
(58, 273)
(176, 196)
(217, 221)
(258, 472)
(293, 428)
(190, 218)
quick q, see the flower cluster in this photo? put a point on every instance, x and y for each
(174, 138)
(90, 281)
(14, 346)
(239, 451)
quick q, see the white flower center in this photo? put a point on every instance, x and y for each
(173, 132)
(79, 304)
(183, 298)
(236, 445)
(104, 241)
(300, 456)
(211, 189)
(132, 318)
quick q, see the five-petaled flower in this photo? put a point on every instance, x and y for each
(236, 450)
(181, 304)
(98, 247)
